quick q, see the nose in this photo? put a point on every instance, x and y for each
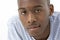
(31, 18)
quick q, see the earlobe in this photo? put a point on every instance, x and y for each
(51, 9)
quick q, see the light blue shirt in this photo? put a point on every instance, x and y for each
(16, 30)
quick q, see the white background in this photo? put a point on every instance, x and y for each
(8, 8)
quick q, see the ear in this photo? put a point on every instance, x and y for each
(51, 9)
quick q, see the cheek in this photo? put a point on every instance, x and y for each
(44, 23)
(43, 19)
(23, 20)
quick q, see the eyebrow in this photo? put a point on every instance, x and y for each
(38, 6)
(20, 8)
(33, 7)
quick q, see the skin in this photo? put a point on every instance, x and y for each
(34, 16)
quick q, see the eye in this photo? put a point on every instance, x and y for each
(37, 10)
(23, 12)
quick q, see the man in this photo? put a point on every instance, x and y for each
(36, 21)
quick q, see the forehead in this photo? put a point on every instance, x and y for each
(24, 3)
(36, 1)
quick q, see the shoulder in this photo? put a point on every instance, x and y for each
(14, 23)
(55, 16)
(56, 19)
(55, 24)
(15, 30)
(14, 19)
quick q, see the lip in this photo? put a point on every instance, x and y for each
(34, 27)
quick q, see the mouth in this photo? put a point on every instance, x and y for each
(34, 27)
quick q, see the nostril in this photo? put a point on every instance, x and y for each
(34, 22)
(31, 21)
(28, 21)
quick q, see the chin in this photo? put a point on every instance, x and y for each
(36, 35)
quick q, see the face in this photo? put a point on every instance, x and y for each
(34, 16)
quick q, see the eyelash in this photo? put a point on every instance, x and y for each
(24, 12)
(34, 11)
